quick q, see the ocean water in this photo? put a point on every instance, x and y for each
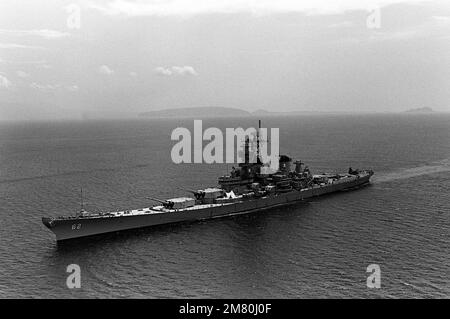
(320, 248)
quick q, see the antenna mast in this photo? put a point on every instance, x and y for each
(257, 141)
(81, 199)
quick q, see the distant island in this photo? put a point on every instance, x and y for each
(208, 112)
(420, 110)
(224, 112)
(197, 112)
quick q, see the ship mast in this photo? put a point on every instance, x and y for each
(81, 199)
(257, 140)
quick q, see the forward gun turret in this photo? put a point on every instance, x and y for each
(165, 203)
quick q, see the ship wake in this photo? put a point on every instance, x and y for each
(406, 173)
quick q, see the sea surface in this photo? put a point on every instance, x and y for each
(319, 248)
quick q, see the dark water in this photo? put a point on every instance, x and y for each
(315, 249)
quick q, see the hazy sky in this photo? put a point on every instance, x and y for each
(123, 57)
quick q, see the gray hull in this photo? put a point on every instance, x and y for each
(71, 227)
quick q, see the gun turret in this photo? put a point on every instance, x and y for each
(198, 194)
(165, 203)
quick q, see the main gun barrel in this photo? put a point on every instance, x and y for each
(158, 200)
(190, 190)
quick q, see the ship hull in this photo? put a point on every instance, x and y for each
(72, 228)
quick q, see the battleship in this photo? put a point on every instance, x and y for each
(246, 189)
